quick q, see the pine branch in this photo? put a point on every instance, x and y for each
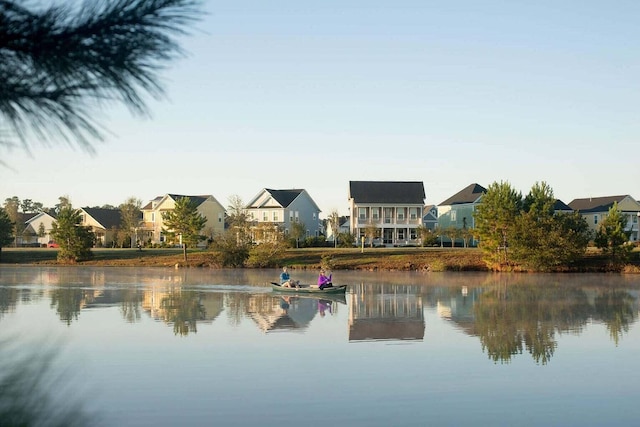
(59, 64)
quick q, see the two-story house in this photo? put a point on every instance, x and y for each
(595, 209)
(458, 210)
(284, 208)
(153, 223)
(394, 207)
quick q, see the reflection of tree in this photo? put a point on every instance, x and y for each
(509, 319)
(237, 305)
(67, 302)
(130, 305)
(8, 299)
(183, 309)
(615, 309)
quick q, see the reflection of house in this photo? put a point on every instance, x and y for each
(386, 312)
(285, 208)
(393, 208)
(458, 210)
(595, 209)
(284, 313)
(105, 224)
(207, 206)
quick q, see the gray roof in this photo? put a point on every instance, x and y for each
(198, 200)
(284, 197)
(108, 218)
(559, 205)
(409, 192)
(595, 204)
(469, 194)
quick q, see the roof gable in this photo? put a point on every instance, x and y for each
(284, 197)
(198, 200)
(392, 192)
(469, 194)
(108, 218)
(269, 198)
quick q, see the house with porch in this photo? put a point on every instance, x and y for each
(394, 208)
(595, 209)
(284, 208)
(152, 226)
(458, 210)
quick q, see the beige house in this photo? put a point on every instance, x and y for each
(395, 208)
(105, 224)
(153, 224)
(595, 209)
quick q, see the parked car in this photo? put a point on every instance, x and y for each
(52, 244)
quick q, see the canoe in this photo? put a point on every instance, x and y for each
(306, 289)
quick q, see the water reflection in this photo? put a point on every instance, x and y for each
(385, 312)
(511, 319)
(509, 315)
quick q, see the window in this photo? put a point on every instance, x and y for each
(413, 213)
(401, 234)
(290, 216)
(265, 216)
(297, 216)
(314, 216)
(401, 214)
(634, 219)
(362, 213)
(220, 217)
(413, 233)
(375, 213)
(153, 217)
(595, 219)
(275, 216)
(453, 215)
(388, 214)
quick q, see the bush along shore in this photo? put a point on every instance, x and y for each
(369, 259)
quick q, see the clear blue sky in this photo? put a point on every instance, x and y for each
(290, 94)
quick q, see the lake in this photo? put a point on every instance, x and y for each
(199, 347)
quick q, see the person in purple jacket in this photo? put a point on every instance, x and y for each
(324, 281)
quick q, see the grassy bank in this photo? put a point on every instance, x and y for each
(433, 259)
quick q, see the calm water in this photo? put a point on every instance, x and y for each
(156, 347)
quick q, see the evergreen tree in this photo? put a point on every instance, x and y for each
(494, 219)
(6, 230)
(74, 239)
(544, 239)
(184, 221)
(612, 238)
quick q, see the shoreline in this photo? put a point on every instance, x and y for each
(369, 259)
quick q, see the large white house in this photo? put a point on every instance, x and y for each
(394, 207)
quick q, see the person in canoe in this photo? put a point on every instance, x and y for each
(324, 281)
(285, 280)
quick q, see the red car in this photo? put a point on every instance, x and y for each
(52, 244)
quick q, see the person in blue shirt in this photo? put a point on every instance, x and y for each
(285, 280)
